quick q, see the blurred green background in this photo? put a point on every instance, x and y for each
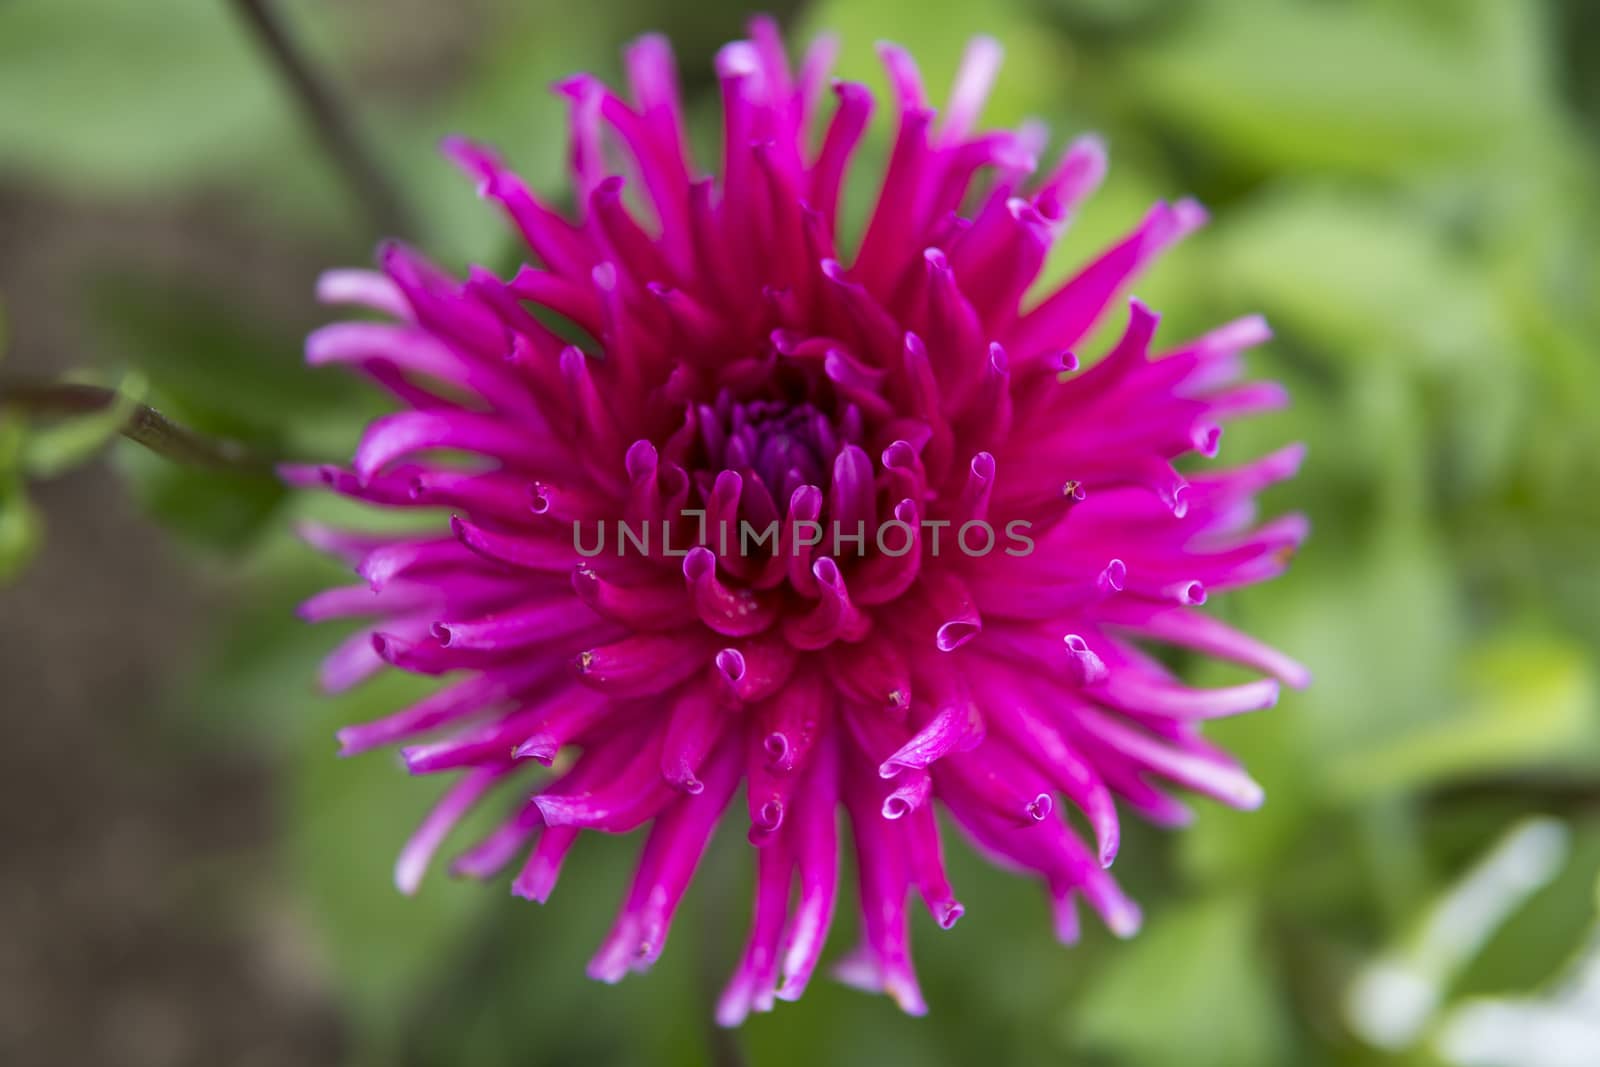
(1406, 188)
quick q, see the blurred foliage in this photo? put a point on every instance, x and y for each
(19, 521)
(1407, 188)
(222, 373)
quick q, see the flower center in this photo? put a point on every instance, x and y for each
(785, 444)
(782, 444)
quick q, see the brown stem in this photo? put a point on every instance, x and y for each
(144, 425)
(332, 121)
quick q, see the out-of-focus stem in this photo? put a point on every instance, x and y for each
(144, 425)
(332, 121)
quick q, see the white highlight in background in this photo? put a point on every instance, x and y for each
(1392, 1000)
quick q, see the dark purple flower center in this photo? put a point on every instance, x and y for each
(785, 445)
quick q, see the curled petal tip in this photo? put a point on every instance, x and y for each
(952, 635)
(1091, 667)
(1178, 500)
(1114, 577)
(731, 665)
(769, 817)
(541, 748)
(700, 562)
(556, 811)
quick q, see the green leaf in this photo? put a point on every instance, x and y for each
(1367, 274)
(221, 372)
(1225, 846)
(524, 985)
(463, 970)
(1380, 288)
(220, 510)
(1112, 17)
(260, 656)
(20, 525)
(1391, 1001)
(21, 531)
(107, 94)
(1194, 990)
(1378, 628)
(1541, 940)
(215, 360)
(1527, 702)
(347, 819)
(1368, 87)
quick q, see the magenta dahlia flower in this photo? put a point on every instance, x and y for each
(730, 504)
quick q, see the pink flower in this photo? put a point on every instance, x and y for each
(963, 543)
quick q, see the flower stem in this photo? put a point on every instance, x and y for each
(332, 121)
(144, 425)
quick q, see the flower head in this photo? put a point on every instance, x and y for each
(732, 505)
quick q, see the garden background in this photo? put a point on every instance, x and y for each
(1408, 189)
